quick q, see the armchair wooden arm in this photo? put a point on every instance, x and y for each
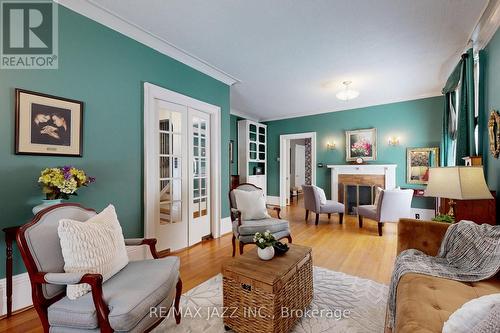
(276, 209)
(95, 282)
(425, 236)
(151, 242)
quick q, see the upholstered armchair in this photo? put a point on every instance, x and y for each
(391, 206)
(314, 203)
(127, 302)
(244, 231)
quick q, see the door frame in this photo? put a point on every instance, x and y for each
(285, 160)
(151, 211)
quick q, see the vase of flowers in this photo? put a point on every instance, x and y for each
(60, 183)
(265, 242)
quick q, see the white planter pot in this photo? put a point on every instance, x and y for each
(266, 254)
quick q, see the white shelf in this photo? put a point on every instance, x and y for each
(245, 169)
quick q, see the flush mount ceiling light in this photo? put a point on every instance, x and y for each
(348, 93)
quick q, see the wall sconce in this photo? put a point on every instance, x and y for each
(393, 141)
(330, 145)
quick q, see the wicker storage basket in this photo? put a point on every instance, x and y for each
(264, 296)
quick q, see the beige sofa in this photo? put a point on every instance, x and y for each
(424, 303)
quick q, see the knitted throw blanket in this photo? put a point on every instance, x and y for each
(469, 253)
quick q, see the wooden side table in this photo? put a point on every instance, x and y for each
(10, 236)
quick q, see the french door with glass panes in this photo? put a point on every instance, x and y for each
(199, 212)
(183, 174)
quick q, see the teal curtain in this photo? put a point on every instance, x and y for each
(482, 101)
(466, 122)
(448, 133)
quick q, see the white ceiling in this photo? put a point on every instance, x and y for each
(292, 56)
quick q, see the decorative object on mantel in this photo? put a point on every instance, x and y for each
(457, 183)
(48, 125)
(60, 183)
(361, 144)
(418, 162)
(265, 242)
(494, 133)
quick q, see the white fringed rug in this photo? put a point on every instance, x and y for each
(350, 304)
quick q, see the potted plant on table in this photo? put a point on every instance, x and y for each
(265, 242)
(60, 183)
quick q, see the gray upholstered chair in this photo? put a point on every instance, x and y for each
(312, 202)
(244, 231)
(392, 205)
(127, 302)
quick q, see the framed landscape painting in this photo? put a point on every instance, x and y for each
(362, 144)
(418, 162)
(48, 125)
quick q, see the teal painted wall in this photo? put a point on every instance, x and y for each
(492, 101)
(233, 135)
(417, 123)
(106, 70)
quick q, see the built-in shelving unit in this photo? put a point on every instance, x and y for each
(252, 153)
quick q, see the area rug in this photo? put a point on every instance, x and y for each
(349, 303)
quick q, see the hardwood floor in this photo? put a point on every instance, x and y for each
(344, 248)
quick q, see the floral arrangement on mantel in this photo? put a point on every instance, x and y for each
(361, 148)
(62, 182)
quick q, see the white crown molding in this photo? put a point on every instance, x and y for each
(114, 21)
(313, 113)
(245, 115)
(486, 26)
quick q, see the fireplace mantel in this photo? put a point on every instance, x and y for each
(388, 170)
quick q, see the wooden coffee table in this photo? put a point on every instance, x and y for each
(267, 296)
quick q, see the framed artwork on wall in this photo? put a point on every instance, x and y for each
(418, 162)
(361, 144)
(48, 125)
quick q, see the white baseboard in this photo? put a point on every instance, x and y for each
(273, 200)
(225, 225)
(21, 293)
(424, 214)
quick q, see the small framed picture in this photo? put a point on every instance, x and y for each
(48, 125)
(361, 144)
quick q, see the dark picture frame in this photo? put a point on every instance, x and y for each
(47, 125)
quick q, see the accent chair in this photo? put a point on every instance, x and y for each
(244, 231)
(392, 205)
(124, 303)
(312, 202)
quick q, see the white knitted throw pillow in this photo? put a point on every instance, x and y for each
(94, 246)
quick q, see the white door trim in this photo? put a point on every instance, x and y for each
(152, 92)
(284, 156)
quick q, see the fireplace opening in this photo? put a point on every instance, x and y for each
(356, 195)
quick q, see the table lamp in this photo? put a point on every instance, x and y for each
(457, 183)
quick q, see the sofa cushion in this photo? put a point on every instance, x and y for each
(252, 226)
(129, 295)
(278, 235)
(436, 299)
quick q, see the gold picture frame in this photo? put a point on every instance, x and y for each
(361, 143)
(494, 133)
(418, 162)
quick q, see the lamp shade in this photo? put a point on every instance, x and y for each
(461, 183)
